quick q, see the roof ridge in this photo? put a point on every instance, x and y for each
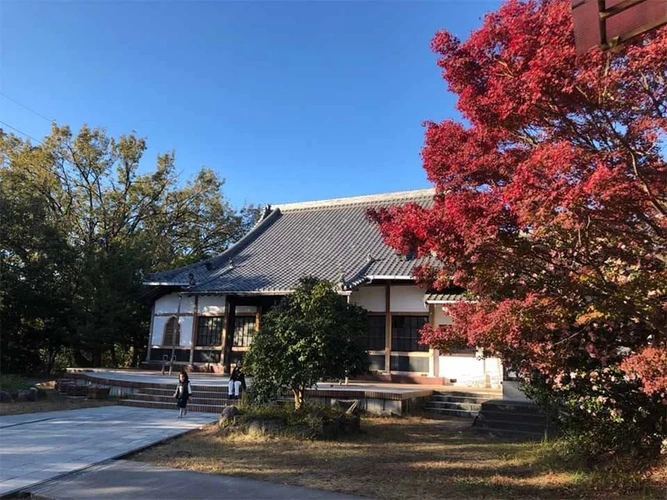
(231, 251)
(352, 200)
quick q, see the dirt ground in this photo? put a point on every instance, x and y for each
(403, 458)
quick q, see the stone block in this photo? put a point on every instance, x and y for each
(263, 427)
(228, 415)
(27, 396)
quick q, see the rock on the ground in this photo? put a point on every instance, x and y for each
(5, 396)
(343, 425)
(27, 396)
(263, 427)
(39, 393)
(228, 415)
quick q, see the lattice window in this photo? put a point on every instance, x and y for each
(405, 333)
(244, 331)
(209, 330)
(375, 337)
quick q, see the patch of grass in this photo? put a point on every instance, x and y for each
(53, 402)
(404, 458)
(310, 421)
(13, 383)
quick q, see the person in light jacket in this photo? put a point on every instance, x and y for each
(183, 393)
(236, 382)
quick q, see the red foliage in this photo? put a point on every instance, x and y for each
(552, 200)
(650, 366)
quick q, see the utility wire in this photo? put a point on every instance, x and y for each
(20, 132)
(50, 120)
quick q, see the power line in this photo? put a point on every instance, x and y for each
(50, 120)
(20, 132)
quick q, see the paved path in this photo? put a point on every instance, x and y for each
(123, 479)
(40, 446)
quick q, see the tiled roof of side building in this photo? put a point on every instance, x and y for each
(328, 239)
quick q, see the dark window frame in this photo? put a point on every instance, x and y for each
(405, 332)
(209, 331)
(376, 334)
(244, 330)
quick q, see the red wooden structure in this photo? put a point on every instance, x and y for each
(608, 23)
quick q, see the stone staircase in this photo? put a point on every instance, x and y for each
(457, 403)
(209, 399)
(506, 417)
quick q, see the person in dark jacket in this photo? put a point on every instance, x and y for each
(183, 393)
(236, 382)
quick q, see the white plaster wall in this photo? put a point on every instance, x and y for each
(371, 298)
(246, 309)
(158, 330)
(169, 304)
(407, 299)
(186, 330)
(467, 370)
(439, 316)
(211, 305)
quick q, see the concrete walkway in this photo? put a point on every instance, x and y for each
(40, 446)
(123, 479)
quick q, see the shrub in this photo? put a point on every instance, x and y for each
(310, 335)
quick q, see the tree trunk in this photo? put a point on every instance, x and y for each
(80, 360)
(97, 357)
(114, 359)
(298, 398)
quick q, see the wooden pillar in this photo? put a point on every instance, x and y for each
(434, 354)
(387, 326)
(228, 341)
(150, 333)
(195, 329)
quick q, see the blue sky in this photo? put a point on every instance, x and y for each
(288, 101)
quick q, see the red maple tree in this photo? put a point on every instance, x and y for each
(551, 201)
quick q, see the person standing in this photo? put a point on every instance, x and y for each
(236, 382)
(183, 393)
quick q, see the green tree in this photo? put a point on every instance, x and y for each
(80, 224)
(310, 335)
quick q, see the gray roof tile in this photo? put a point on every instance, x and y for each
(440, 298)
(319, 239)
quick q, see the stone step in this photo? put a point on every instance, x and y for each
(449, 405)
(451, 412)
(457, 399)
(170, 406)
(194, 399)
(481, 394)
(201, 390)
(509, 417)
(170, 392)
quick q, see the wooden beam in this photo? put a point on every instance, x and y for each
(228, 339)
(150, 332)
(195, 330)
(387, 326)
(434, 369)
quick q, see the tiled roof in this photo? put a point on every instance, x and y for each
(323, 239)
(443, 298)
